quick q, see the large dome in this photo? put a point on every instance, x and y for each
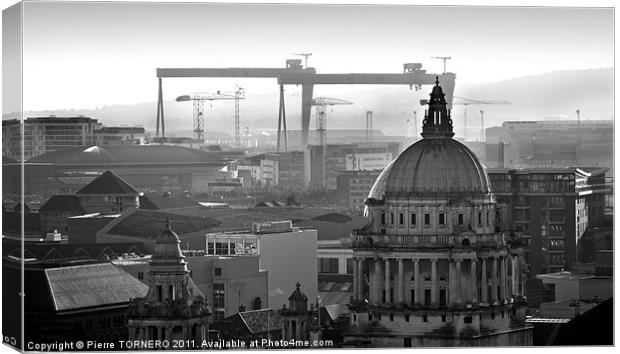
(433, 168)
(436, 167)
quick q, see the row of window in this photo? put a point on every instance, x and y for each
(444, 318)
(427, 219)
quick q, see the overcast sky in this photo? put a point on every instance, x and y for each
(83, 55)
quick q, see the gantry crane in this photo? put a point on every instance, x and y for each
(468, 101)
(295, 74)
(321, 104)
(199, 99)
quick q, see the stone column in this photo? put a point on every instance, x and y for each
(473, 281)
(502, 279)
(434, 287)
(418, 283)
(388, 288)
(459, 287)
(376, 283)
(494, 281)
(451, 283)
(360, 279)
(401, 282)
(514, 291)
(355, 281)
(484, 285)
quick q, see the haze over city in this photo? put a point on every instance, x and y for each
(449, 185)
(87, 55)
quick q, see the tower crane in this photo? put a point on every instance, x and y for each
(321, 104)
(199, 99)
(444, 61)
(238, 94)
(468, 101)
(305, 55)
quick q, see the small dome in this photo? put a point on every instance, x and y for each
(168, 247)
(441, 168)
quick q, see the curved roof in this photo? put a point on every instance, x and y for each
(123, 154)
(433, 168)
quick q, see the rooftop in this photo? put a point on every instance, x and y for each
(92, 285)
(63, 203)
(107, 183)
(129, 154)
(149, 223)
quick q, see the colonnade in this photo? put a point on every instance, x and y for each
(399, 280)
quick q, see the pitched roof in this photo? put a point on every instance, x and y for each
(256, 321)
(156, 201)
(92, 285)
(107, 183)
(64, 203)
(149, 223)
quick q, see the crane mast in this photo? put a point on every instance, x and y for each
(198, 100)
(321, 104)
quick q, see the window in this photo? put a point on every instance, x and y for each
(350, 265)
(467, 319)
(460, 219)
(406, 318)
(443, 318)
(383, 219)
(488, 219)
(479, 219)
(159, 293)
(218, 315)
(218, 272)
(218, 295)
(413, 219)
(140, 275)
(328, 265)
(378, 317)
(392, 317)
(427, 220)
(171, 293)
(391, 218)
(369, 316)
(401, 219)
(442, 219)
(425, 318)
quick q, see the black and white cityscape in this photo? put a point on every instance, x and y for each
(200, 176)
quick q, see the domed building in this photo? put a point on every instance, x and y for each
(432, 266)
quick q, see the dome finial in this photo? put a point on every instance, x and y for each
(436, 80)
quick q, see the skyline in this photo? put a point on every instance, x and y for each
(112, 58)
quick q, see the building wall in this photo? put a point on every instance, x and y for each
(353, 188)
(437, 328)
(108, 203)
(237, 281)
(289, 257)
(46, 134)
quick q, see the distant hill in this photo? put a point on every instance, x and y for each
(554, 95)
